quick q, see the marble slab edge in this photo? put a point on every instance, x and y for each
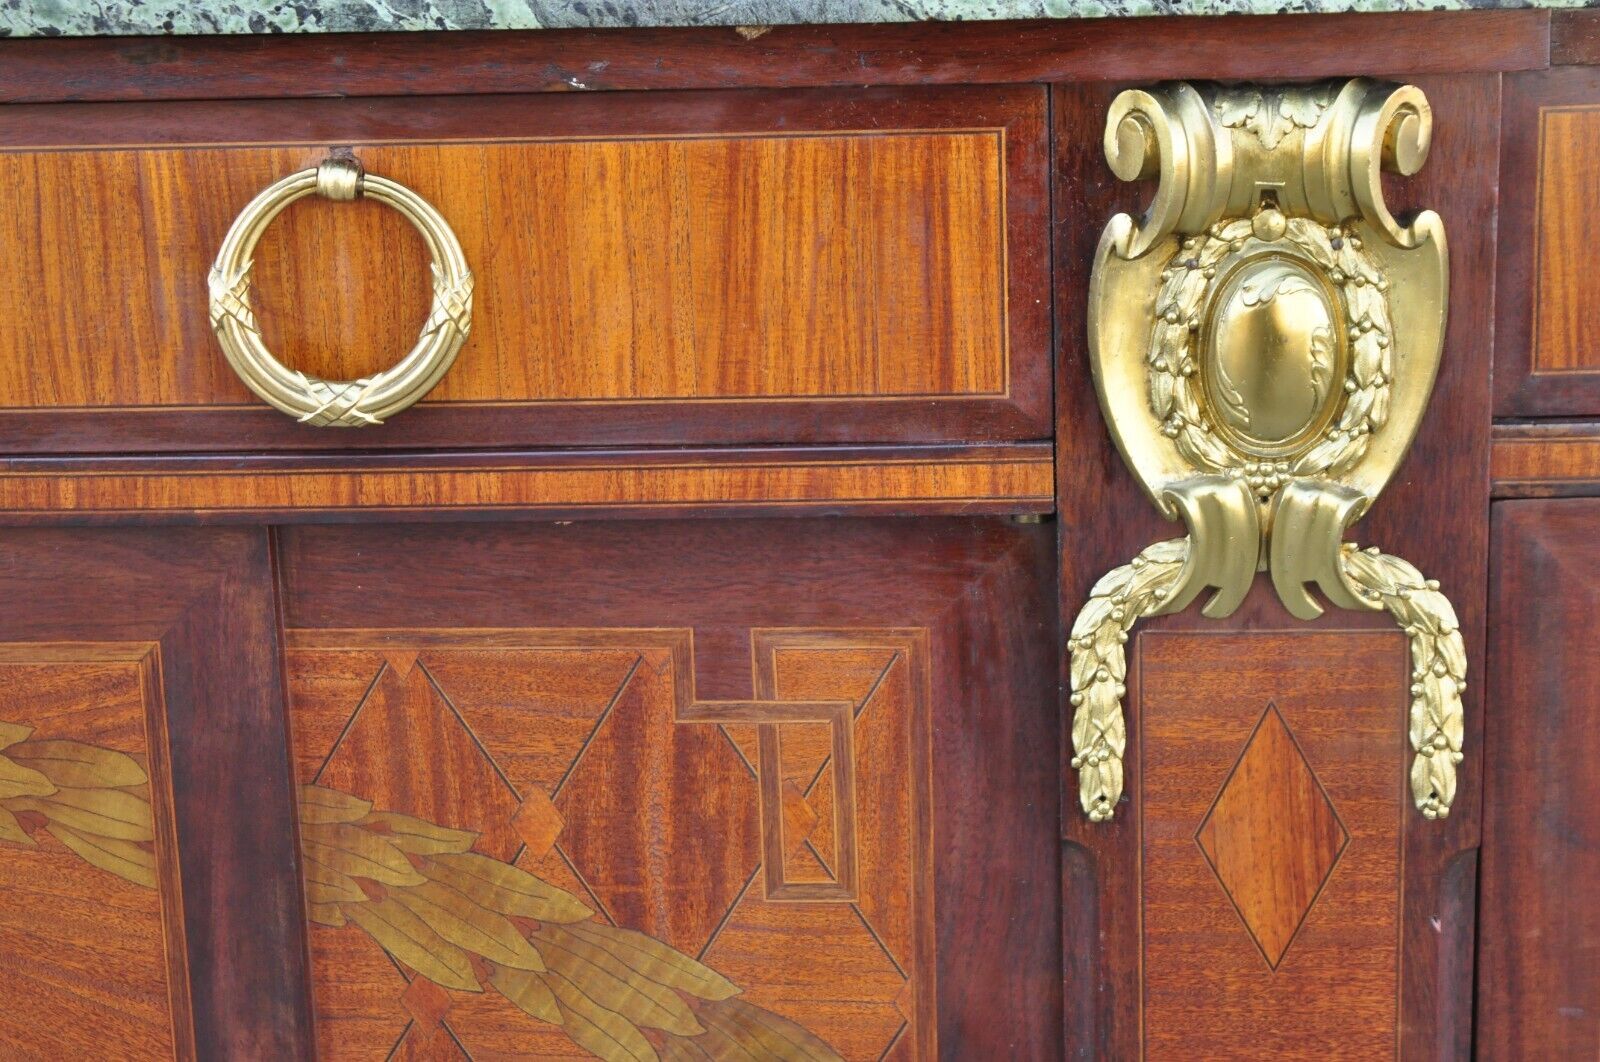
(113, 18)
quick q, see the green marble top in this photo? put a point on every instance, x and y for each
(95, 18)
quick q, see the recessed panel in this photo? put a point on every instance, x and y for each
(91, 949)
(1271, 772)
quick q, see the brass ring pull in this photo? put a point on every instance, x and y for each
(340, 403)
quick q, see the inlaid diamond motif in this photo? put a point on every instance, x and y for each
(1272, 837)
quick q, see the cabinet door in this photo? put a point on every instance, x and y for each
(148, 906)
(1539, 954)
(778, 789)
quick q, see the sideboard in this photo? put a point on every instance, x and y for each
(830, 577)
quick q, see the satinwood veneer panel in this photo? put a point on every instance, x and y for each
(807, 766)
(773, 850)
(147, 860)
(1539, 950)
(1546, 460)
(1546, 360)
(91, 922)
(1006, 478)
(764, 267)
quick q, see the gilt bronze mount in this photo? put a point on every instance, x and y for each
(311, 400)
(1264, 341)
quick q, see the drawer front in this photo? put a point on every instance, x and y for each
(1547, 349)
(700, 267)
(617, 789)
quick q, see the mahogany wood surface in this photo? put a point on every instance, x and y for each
(203, 602)
(1015, 478)
(1108, 49)
(1574, 38)
(1104, 520)
(1546, 460)
(1548, 326)
(1271, 815)
(976, 591)
(664, 269)
(1539, 949)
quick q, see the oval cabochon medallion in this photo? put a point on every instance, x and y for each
(1273, 364)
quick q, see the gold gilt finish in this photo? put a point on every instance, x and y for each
(1264, 342)
(340, 403)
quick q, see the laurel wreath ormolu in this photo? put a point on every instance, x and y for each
(1264, 339)
(340, 403)
(464, 920)
(1188, 280)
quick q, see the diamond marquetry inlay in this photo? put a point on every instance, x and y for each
(1272, 837)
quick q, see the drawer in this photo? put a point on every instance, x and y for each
(709, 267)
(1547, 348)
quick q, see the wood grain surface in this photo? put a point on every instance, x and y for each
(980, 590)
(1271, 813)
(1010, 479)
(1434, 513)
(94, 961)
(1539, 955)
(1230, 47)
(1574, 38)
(647, 271)
(1546, 460)
(204, 600)
(1566, 240)
(582, 757)
(1545, 363)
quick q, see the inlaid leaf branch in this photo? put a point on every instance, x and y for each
(462, 919)
(472, 923)
(94, 800)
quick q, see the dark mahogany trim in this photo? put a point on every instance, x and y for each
(1574, 38)
(403, 64)
(206, 598)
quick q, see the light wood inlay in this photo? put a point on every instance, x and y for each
(92, 961)
(585, 759)
(1337, 765)
(1272, 837)
(1566, 323)
(825, 265)
(1020, 480)
(1537, 460)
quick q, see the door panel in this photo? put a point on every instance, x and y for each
(796, 772)
(1271, 816)
(1539, 959)
(147, 870)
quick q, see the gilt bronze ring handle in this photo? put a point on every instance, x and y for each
(340, 403)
